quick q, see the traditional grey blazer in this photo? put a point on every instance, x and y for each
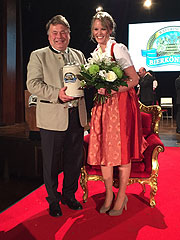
(45, 79)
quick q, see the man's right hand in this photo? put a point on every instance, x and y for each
(62, 95)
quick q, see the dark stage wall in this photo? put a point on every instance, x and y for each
(35, 15)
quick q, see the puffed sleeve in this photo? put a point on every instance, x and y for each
(122, 55)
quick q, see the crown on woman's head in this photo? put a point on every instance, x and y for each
(99, 9)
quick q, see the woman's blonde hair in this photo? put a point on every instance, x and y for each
(106, 20)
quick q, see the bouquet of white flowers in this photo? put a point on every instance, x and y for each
(102, 72)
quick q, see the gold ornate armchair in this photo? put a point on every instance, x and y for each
(144, 172)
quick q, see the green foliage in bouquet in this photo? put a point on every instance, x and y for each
(102, 73)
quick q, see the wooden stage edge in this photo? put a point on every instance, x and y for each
(20, 151)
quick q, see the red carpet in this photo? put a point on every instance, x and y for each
(28, 219)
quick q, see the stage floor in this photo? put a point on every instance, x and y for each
(16, 187)
(29, 218)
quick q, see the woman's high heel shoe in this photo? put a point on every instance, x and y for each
(104, 209)
(119, 212)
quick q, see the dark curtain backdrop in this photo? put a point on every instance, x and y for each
(35, 15)
(1, 58)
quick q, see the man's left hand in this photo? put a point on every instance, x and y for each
(63, 97)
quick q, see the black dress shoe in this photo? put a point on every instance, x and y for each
(55, 210)
(72, 203)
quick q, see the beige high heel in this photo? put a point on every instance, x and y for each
(104, 209)
(119, 212)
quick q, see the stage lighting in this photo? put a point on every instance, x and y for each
(147, 3)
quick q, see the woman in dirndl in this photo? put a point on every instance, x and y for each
(116, 133)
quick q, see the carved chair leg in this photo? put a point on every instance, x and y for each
(83, 183)
(153, 193)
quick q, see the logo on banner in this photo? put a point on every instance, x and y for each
(163, 47)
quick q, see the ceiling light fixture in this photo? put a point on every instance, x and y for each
(147, 3)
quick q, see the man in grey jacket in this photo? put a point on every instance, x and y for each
(61, 118)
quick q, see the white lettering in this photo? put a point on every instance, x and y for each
(151, 62)
(171, 59)
(176, 59)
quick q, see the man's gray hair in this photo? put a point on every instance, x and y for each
(58, 19)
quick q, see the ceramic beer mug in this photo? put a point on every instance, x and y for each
(71, 80)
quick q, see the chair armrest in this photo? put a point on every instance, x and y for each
(152, 151)
(153, 140)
